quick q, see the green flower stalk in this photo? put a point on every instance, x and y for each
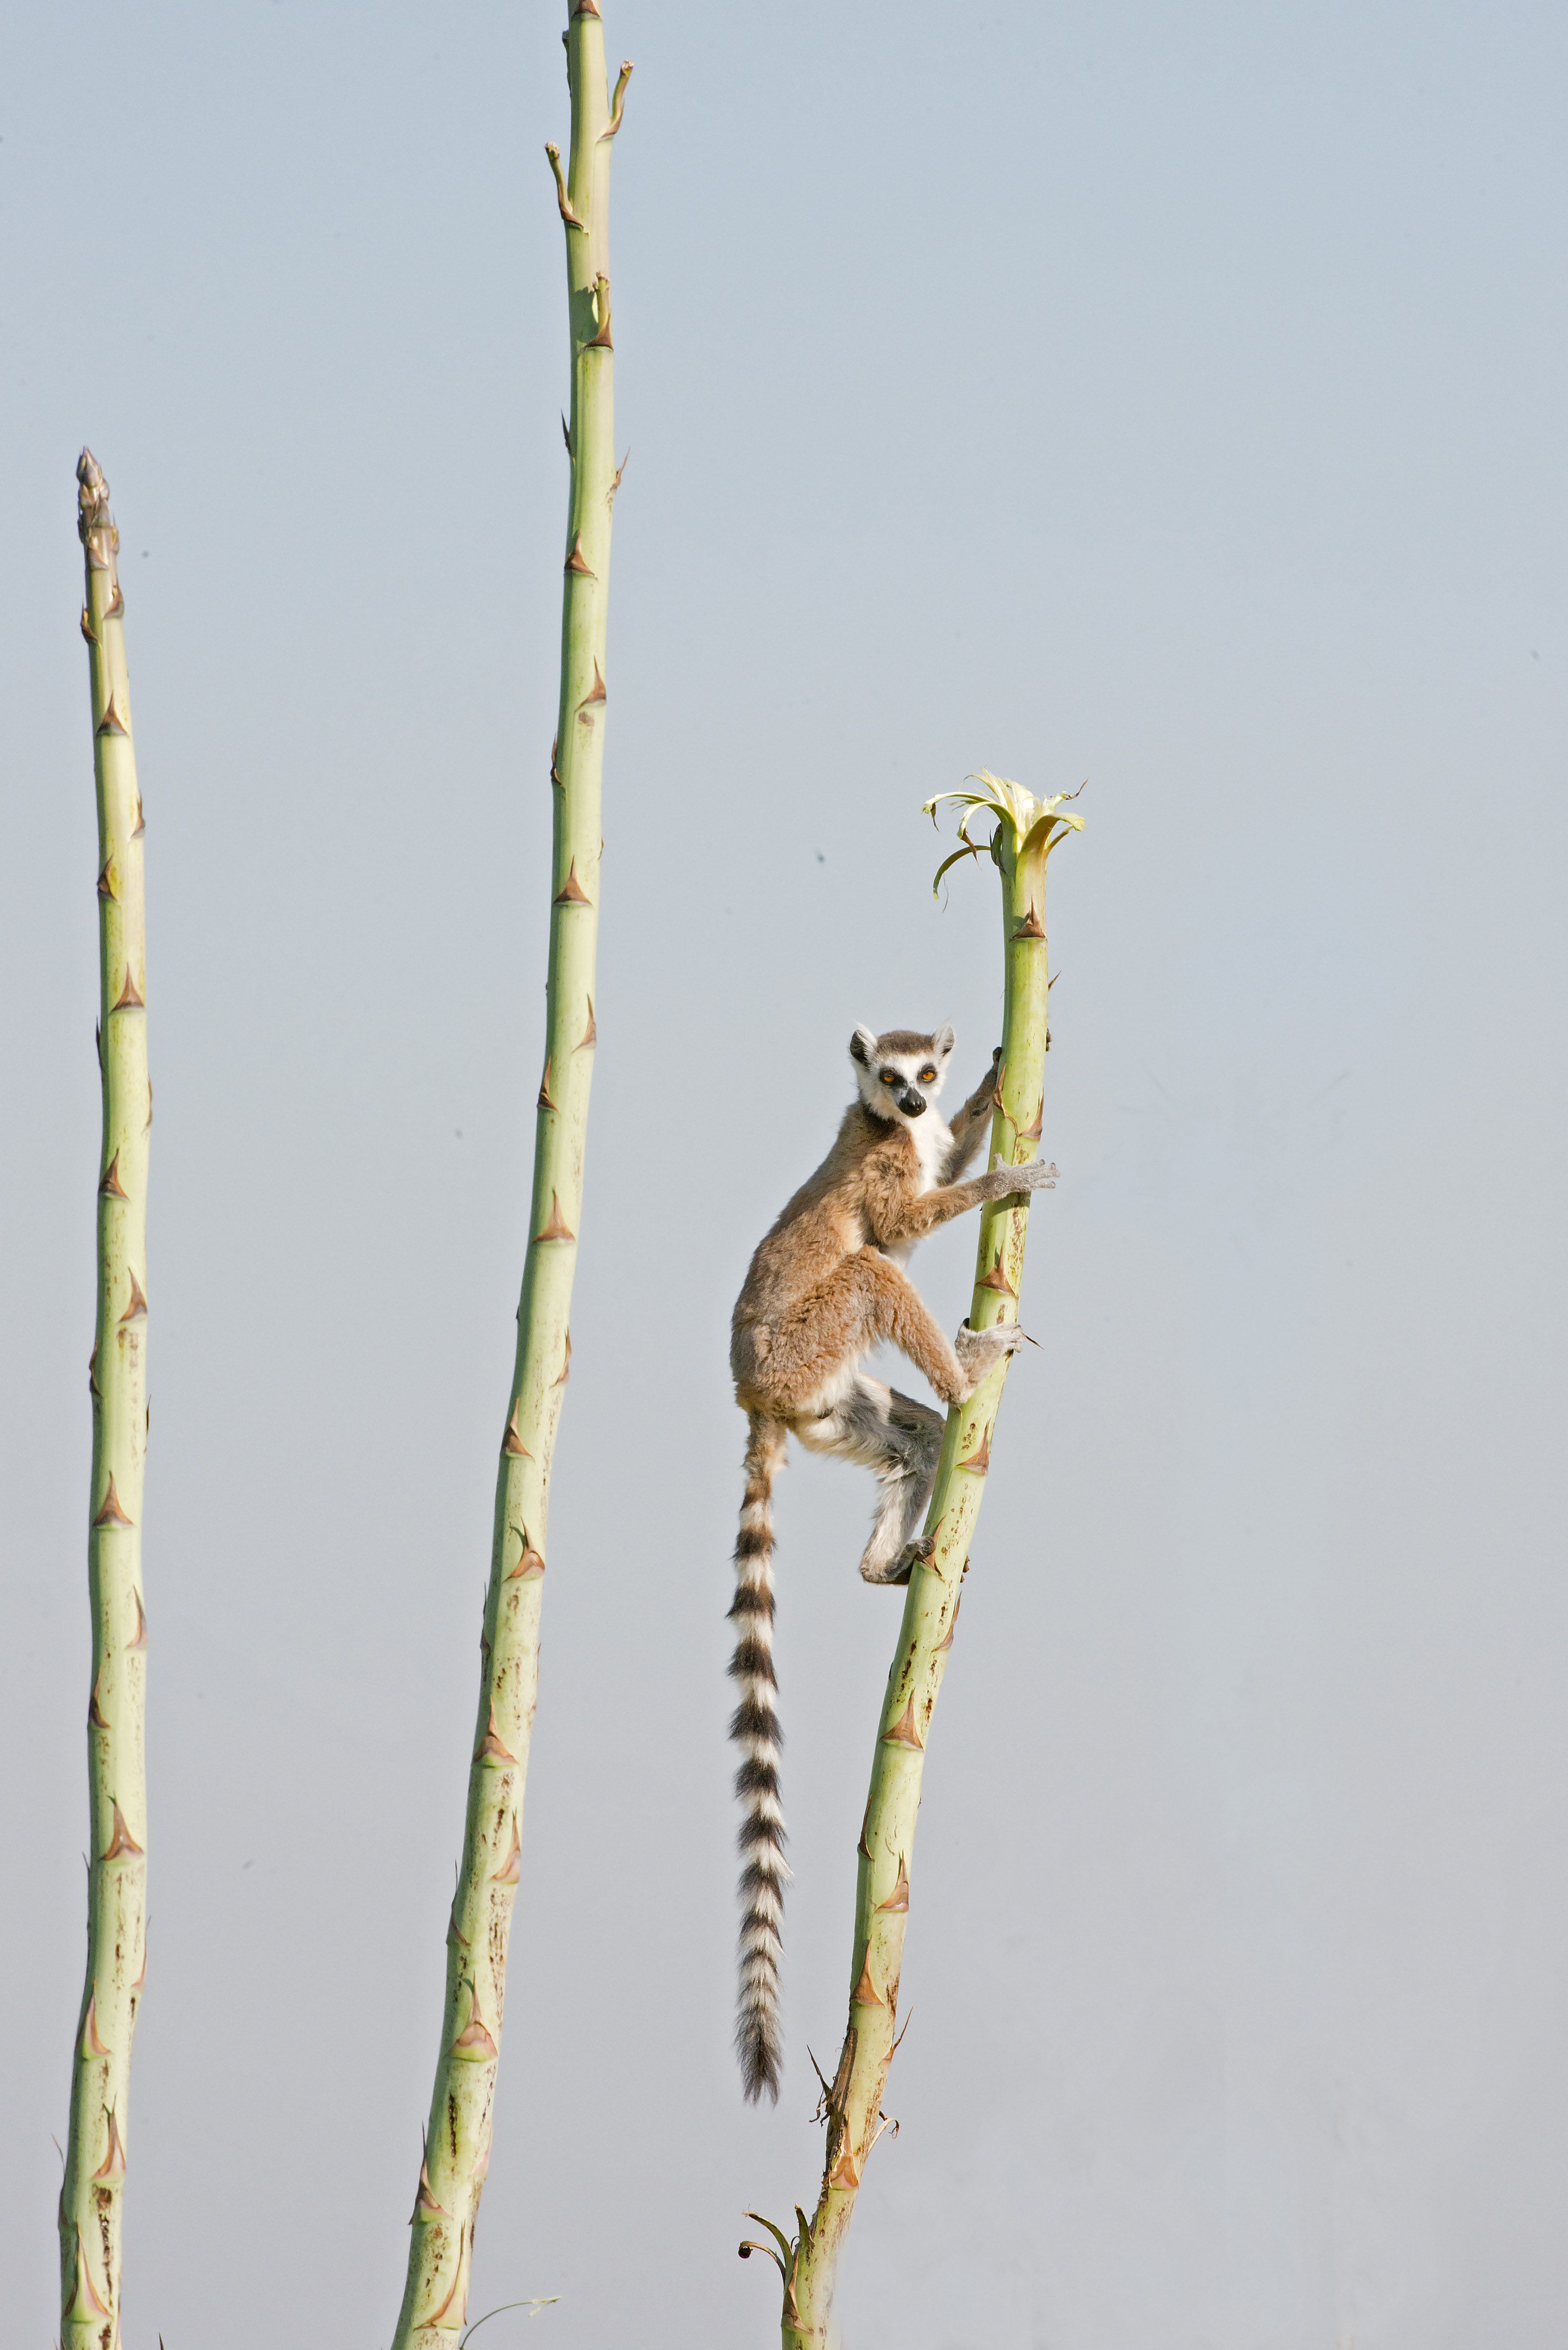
(1025, 832)
(457, 2141)
(93, 2193)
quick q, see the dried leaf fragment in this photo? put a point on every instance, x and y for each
(557, 1228)
(111, 1514)
(123, 1844)
(899, 1896)
(903, 1731)
(493, 1745)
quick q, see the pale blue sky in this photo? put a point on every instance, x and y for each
(1169, 395)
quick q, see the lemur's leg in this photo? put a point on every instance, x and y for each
(814, 1348)
(914, 1441)
(979, 1350)
(899, 1439)
(890, 1307)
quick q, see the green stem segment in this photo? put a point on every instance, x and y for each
(457, 2142)
(93, 2193)
(885, 1848)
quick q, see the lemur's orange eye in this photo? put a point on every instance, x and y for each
(927, 1077)
(890, 1076)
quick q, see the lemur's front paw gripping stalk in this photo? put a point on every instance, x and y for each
(1025, 832)
(457, 2141)
(93, 2191)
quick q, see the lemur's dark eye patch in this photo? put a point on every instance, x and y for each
(927, 1077)
(890, 1076)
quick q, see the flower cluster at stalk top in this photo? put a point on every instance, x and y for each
(1035, 825)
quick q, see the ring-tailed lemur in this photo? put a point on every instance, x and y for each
(824, 1287)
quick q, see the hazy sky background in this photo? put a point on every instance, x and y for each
(1169, 395)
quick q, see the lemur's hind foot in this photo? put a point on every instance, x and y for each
(897, 1568)
(979, 1351)
(915, 1554)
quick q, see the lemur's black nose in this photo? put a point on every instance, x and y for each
(911, 1103)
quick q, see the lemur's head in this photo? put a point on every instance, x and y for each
(900, 1073)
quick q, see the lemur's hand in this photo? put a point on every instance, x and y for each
(1037, 1176)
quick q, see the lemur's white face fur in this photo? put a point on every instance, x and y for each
(900, 1073)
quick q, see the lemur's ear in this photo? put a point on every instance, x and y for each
(944, 1040)
(862, 1045)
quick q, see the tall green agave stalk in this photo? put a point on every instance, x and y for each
(457, 2141)
(93, 2194)
(1025, 832)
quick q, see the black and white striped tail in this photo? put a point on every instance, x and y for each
(755, 1730)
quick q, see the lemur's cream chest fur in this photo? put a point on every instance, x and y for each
(933, 1140)
(826, 1286)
